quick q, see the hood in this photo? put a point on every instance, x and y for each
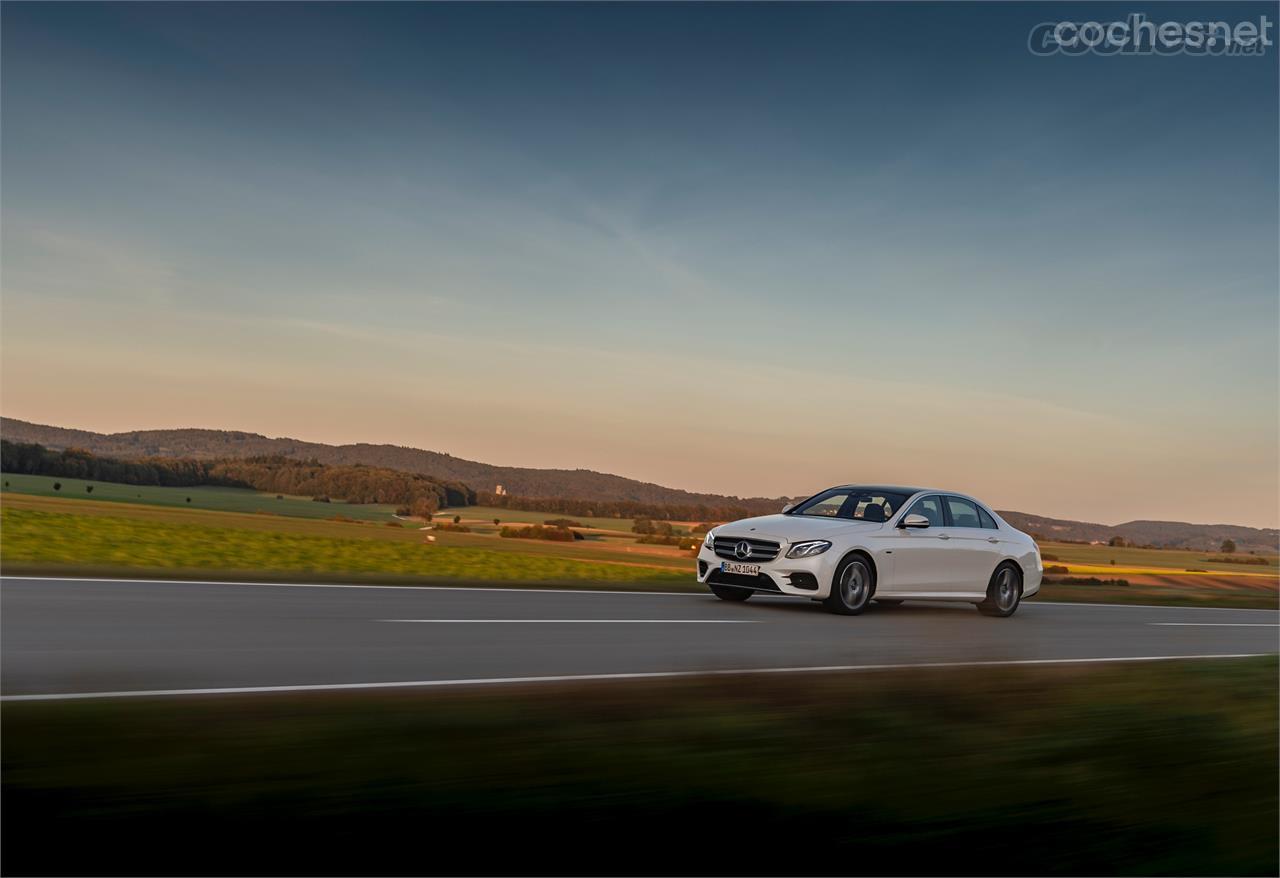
(793, 528)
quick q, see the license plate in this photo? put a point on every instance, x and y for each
(742, 569)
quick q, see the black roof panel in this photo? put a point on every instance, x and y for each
(889, 489)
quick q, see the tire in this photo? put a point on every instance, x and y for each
(851, 587)
(889, 602)
(1004, 592)
(730, 592)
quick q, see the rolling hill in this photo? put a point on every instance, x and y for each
(1166, 534)
(577, 484)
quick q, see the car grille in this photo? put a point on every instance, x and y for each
(761, 550)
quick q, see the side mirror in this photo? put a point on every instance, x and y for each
(914, 520)
(787, 508)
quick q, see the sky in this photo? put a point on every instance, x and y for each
(742, 249)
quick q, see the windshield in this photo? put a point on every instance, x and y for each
(855, 504)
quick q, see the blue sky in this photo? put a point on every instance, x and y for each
(747, 249)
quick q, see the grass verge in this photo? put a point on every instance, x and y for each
(1150, 769)
(33, 539)
(1182, 596)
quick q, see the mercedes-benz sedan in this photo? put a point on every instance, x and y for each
(850, 545)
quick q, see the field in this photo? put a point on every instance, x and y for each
(484, 516)
(1113, 561)
(1158, 576)
(43, 534)
(248, 500)
(233, 533)
(1151, 769)
(202, 497)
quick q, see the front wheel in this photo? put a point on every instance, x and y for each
(730, 592)
(851, 589)
(1004, 592)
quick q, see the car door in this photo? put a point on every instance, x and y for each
(970, 555)
(997, 543)
(921, 565)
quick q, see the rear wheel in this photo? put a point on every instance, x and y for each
(851, 589)
(730, 592)
(1004, 592)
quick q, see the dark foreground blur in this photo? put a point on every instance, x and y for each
(1128, 769)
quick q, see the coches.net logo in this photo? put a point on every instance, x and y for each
(1136, 35)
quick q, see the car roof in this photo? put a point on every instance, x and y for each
(902, 489)
(889, 489)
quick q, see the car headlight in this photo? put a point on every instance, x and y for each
(809, 549)
(709, 541)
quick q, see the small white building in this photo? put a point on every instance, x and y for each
(499, 490)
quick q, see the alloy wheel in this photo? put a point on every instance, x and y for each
(1006, 590)
(853, 585)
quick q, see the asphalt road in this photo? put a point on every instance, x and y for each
(63, 637)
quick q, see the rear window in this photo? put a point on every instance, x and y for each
(964, 513)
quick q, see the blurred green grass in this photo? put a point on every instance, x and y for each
(222, 499)
(195, 497)
(1244, 598)
(31, 538)
(1142, 769)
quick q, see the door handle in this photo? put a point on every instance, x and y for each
(943, 537)
(992, 540)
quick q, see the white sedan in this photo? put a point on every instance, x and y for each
(850, 545)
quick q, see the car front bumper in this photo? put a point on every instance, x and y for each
(800, 577)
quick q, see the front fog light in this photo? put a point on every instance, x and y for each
(809, 549)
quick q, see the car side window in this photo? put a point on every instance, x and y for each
(987, 521)
(930, 508)
(964, 513)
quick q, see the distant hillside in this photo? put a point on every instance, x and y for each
(578, 484)
(573, 484)
(352, 484)
(1166, 534)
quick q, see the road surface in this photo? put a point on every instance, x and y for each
(112, 638)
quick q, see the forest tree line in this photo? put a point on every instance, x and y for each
(354, 484)
(226, 444)
(632, 509)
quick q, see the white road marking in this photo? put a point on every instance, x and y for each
(1217, 624)
(683, 594)
(598, 621)
(597, 591)
(584, 678)
(1033, 602)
